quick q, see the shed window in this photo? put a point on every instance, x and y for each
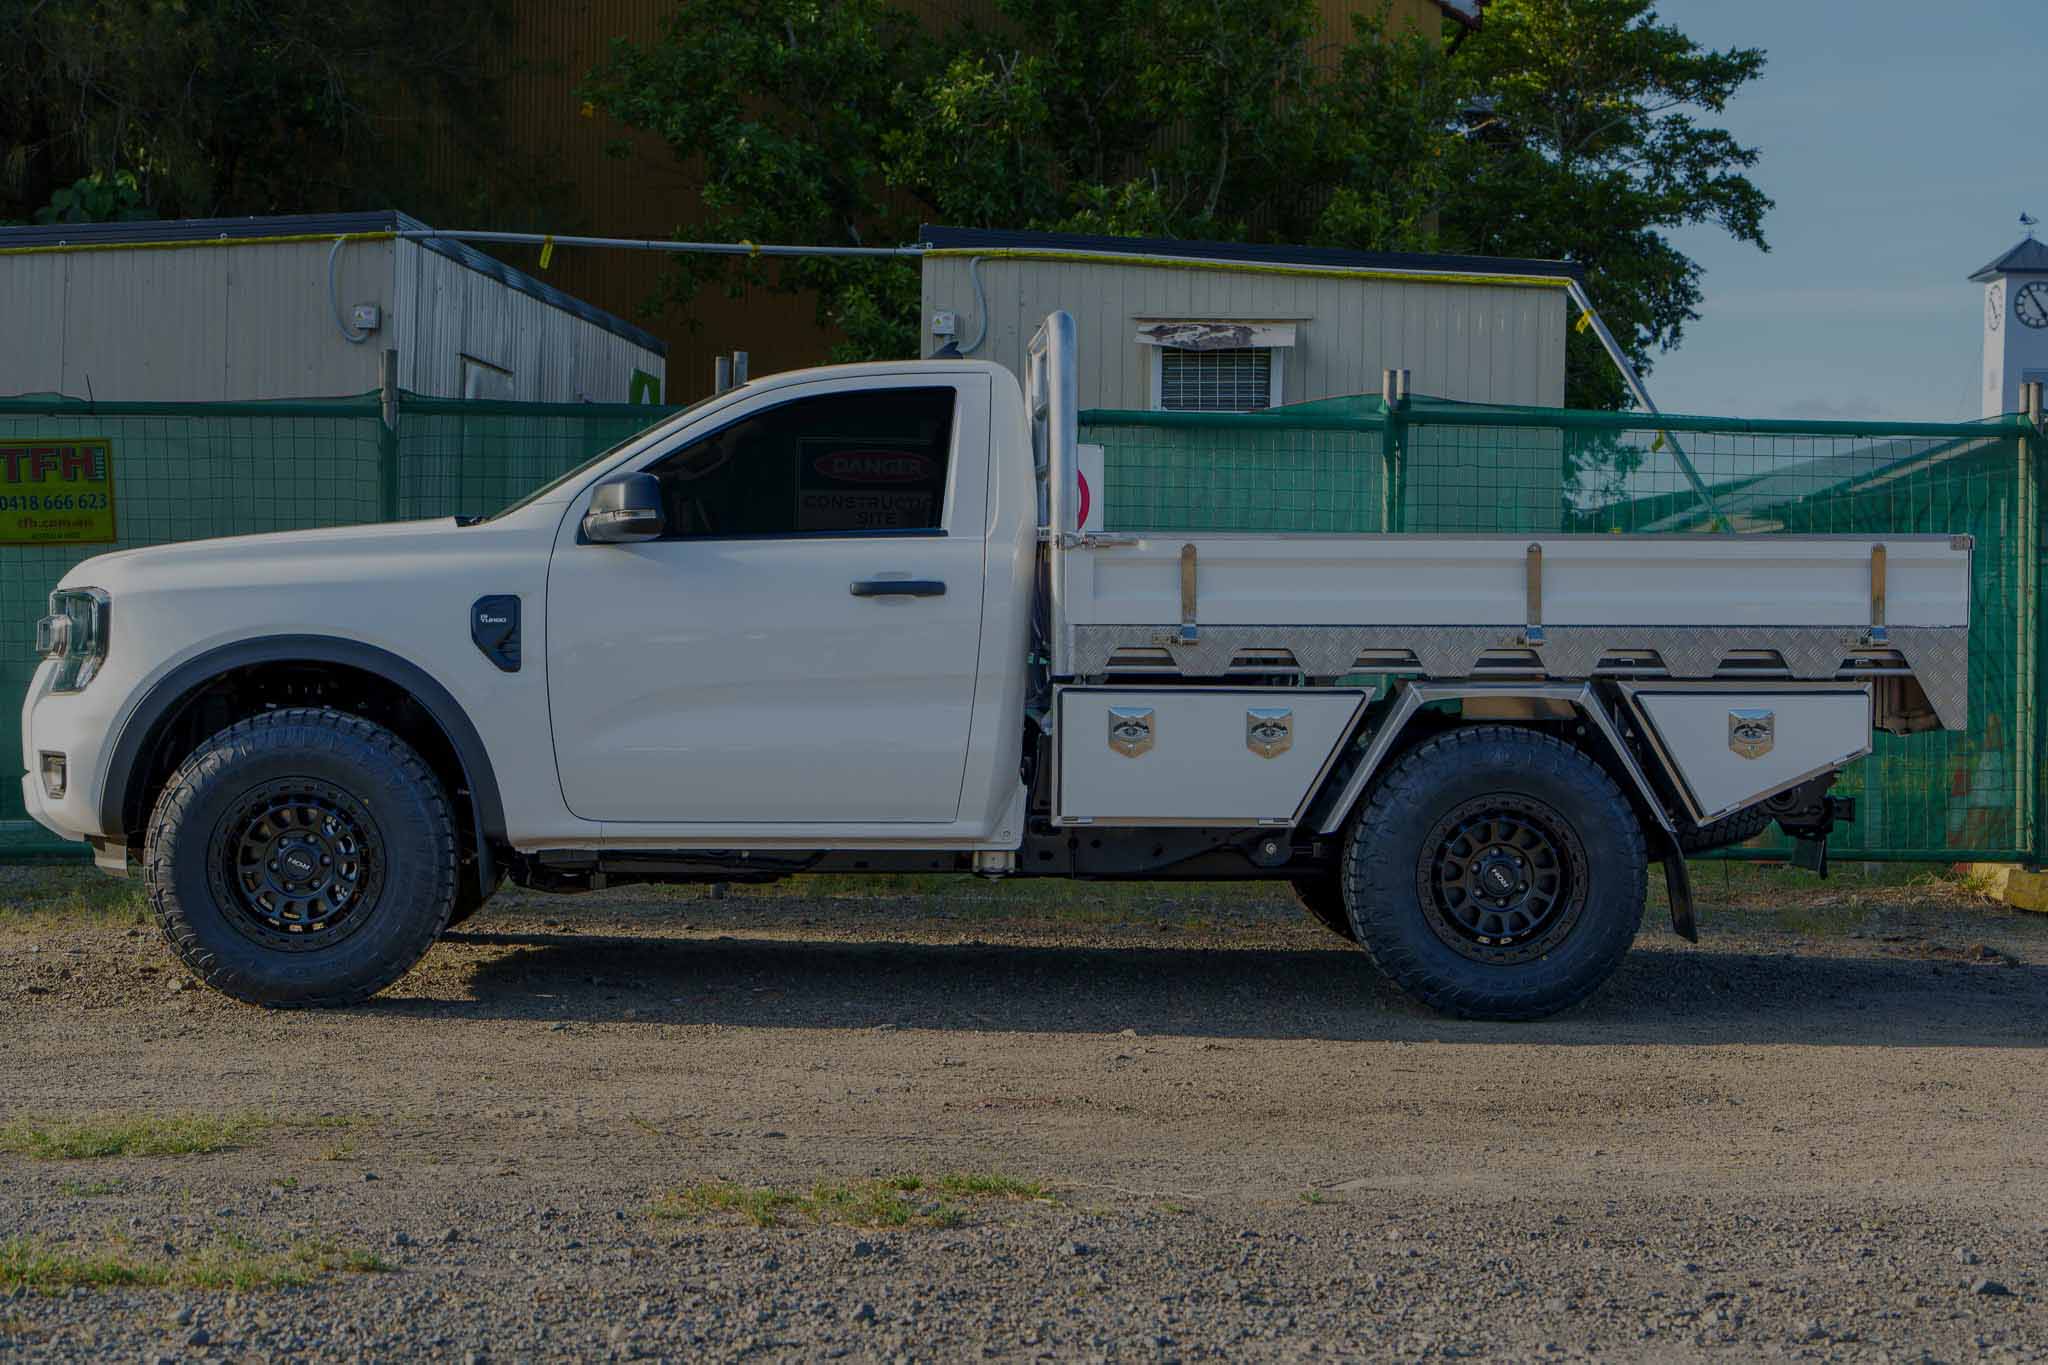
(481, 379)
(1240, 379)
(1216, 365)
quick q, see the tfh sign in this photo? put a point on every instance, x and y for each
(57, 491)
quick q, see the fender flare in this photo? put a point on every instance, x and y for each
(1412, 697)
(488, 810)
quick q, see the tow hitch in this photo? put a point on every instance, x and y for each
(1809, 815)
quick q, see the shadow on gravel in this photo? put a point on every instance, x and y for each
(1661, 995)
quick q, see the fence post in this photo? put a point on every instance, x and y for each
(1394, 450)
(387, 437)
(2035, 647)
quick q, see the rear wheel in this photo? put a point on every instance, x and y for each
(301, 857)
(1323, 898)
(1496, 873)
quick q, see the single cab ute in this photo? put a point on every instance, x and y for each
(849, 620)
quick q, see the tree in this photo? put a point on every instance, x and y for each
(785, 109)
(1585, 140)
(1565, 128)
(206, 107)
(850, 123)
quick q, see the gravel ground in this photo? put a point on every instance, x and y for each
(1818, 1134)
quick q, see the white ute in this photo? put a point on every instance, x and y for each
(845, 619)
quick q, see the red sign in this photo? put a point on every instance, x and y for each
(876, 466)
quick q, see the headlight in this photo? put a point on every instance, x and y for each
(74, 634)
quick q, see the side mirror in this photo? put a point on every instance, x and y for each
(624, 509)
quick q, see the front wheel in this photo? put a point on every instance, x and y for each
(1496, 873)
(301, 857)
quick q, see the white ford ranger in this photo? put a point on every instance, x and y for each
(847, 620)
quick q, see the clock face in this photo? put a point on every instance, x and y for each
(1994, 306)
(2030, 305)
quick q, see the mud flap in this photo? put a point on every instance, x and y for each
(1678, 890)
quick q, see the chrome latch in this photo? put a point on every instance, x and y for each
(1269, 730)
(1130, 730)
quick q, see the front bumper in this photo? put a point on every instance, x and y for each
(79, 725)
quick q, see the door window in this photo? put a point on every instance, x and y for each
(872, 461)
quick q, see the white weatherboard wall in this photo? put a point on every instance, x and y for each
(251, 319)
(1475, 343)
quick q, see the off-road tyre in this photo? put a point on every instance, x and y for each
(1323, 898)
(1729, 829)
(312, 792)
(1447, 825)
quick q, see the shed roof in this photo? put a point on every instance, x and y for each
(173, 232)
(1255, 253)
(2028, 258)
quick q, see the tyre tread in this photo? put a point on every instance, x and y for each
(1409, 781)
(299, 728)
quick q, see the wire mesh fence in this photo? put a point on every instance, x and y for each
(187, 471)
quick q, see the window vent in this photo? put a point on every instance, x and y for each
(1232, 380)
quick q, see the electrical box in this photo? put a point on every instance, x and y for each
(366, 317)
(945, 324)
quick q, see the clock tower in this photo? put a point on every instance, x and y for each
(2015, 324)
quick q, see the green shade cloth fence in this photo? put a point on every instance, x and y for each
(184, 471)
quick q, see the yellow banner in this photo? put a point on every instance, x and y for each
(57, 490)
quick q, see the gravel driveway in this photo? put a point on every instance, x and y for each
(1032, 1122)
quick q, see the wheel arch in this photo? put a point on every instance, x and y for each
(132, 768)
(1602, 741)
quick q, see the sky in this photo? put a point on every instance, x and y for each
(1901, 139)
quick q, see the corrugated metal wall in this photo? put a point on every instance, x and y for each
(187, 324)
(1475, 343)
(446, 311)
(199, 323)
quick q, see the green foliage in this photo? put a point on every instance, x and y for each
(179, 108)
(1565, 128)
(889, 1202)
(127, 1135)
(1587, 139)
(228, 1262)
(97, 199)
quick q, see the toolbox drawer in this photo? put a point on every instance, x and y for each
(1222, 756)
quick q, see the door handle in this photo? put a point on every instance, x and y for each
(897, 587)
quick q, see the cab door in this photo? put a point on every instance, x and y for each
(800, 645)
